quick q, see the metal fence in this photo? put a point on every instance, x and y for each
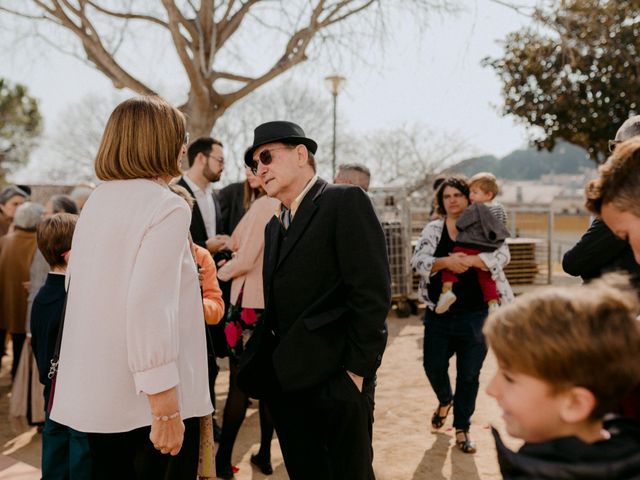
(541, 236)
(394, 211)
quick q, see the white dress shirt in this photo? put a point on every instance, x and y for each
(204, 199)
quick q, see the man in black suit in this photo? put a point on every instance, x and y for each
(232, 205)
(327, 295)
(206, 163)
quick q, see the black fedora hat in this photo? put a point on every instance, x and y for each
(278, 131)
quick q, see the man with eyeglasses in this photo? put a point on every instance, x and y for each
(206, 164)
(599, 250)
(314, 357)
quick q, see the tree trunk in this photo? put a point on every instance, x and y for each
(202, 112)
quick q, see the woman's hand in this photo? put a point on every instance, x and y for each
(458, 262)
(476, 262)
(166, 435)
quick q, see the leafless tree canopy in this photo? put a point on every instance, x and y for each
(207, 35)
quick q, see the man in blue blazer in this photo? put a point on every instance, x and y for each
(327, 295)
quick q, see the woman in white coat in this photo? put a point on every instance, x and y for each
(133, 367)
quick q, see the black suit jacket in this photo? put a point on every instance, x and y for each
(327, 287)
(232, 205)
(197, 228)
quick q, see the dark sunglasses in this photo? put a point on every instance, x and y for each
(612, 144)
(266, 158)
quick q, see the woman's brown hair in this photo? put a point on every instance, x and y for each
(142, 139)
(459, 183)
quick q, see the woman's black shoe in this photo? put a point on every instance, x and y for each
(224, 473)
(263, 465)
(464, 442)
(437, 420)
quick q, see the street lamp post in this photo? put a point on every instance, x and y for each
(334, 84)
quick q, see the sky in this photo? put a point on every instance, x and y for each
(426, 74)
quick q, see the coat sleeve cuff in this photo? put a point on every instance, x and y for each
(157, 379)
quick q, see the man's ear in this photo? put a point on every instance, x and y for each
(578, 405)
(303, 155)
(199, 160)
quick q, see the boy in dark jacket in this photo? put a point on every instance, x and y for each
(65, 451)
(566, 358)
(481, 229)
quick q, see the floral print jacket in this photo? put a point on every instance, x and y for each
(423, 259)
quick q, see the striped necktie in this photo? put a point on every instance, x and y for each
(285, 217)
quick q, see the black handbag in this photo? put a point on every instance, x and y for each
(256, 375)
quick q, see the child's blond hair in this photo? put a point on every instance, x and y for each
(486, 182)
(586, 336)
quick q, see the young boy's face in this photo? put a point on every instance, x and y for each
(530, 409)
(477, 195)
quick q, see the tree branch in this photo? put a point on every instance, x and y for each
(93, 47)
(520, 9)
(228, 26)
(22, 14)
(232, 76)
(178, 19)
(128, 16)
(206, 28)
(328, 20)
(199, 85)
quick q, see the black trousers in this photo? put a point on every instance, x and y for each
(325, 432)
(131, 455)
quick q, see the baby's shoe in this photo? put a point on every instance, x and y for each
(445, 301)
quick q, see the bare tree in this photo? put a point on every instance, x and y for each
(408, 156)
(297, 103)
(207, 37)
(69, 150)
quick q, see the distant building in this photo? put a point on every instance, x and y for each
(561, 193)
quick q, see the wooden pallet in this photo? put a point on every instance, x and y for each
(523, 267)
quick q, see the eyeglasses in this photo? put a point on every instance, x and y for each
(220, 160)
(186, 138)
(266, 158)
(612, 144)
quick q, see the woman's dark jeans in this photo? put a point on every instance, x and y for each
(459, 334)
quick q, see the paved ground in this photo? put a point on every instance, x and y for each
(405, 447)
